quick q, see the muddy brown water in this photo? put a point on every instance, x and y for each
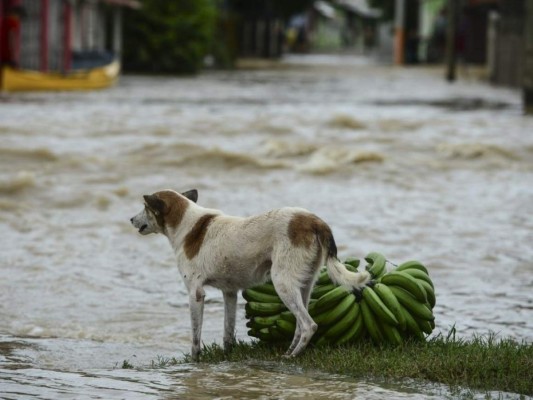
(395, 160)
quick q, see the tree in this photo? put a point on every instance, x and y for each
(168, 36)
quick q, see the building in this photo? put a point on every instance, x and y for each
(60, 44)
(506, 48)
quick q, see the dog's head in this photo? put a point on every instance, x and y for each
(163, 210)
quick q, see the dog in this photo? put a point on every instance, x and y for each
(287, 245)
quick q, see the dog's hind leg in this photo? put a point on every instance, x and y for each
(196, 307)
(306, 294)
(230, 312)
(289, 291)
(306, 289)
(295, 339)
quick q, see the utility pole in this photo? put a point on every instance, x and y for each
(399, 32)
(527, 82)
(451, 28)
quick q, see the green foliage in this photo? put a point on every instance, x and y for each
(168, 36)
(175, 36)
(126, 365)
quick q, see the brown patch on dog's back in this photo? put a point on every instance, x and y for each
(175, 207)
(195, 238)
(304, 228)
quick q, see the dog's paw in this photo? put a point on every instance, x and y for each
(287, 356)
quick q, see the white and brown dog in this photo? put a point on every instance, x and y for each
(231, 253)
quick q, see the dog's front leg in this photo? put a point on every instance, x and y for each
(196, 307)
(230, 312)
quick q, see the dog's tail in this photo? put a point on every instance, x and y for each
(338, 272)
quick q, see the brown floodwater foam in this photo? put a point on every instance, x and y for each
(17, 183)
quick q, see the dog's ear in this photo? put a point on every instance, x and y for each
(155, 203)
(192, 195)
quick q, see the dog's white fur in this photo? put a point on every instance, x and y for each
(231, 253)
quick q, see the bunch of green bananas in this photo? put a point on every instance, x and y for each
(399, 304)
(395, 305)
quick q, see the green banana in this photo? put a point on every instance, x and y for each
(406, 281)
(350, 268)
(311, 304)
(323, 278)
(343, 324)
(430, 293)
(288, 316)
(355, 330)
(264, 335)
(321, 341)
(286, 328)
(265, 322)
(412, 264)
(376, 271)
(424, 325)
(390, 300)
(411, 304)
(378, 307)
(276, 335)
(252, 332)
(420, 275)
(261, 334)
(376, 264)
(266, 288)
(320, 290)
(254, 308)
(352, 262)
(391, 334)
(311, 307)
(253, 325)
(254, 295)
(334, 314)
(330, 298)
(371, 324)
(412, 326)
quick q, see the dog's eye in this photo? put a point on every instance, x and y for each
(149, 210)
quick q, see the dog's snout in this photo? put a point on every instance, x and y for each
(131, 220)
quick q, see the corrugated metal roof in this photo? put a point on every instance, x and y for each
(360, 7)
(324, 8)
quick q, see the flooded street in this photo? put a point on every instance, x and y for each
(394, 159)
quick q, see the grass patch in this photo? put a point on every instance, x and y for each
(483, 362)
(127, 365)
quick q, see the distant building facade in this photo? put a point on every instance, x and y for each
(60, 35)
(489, 33)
